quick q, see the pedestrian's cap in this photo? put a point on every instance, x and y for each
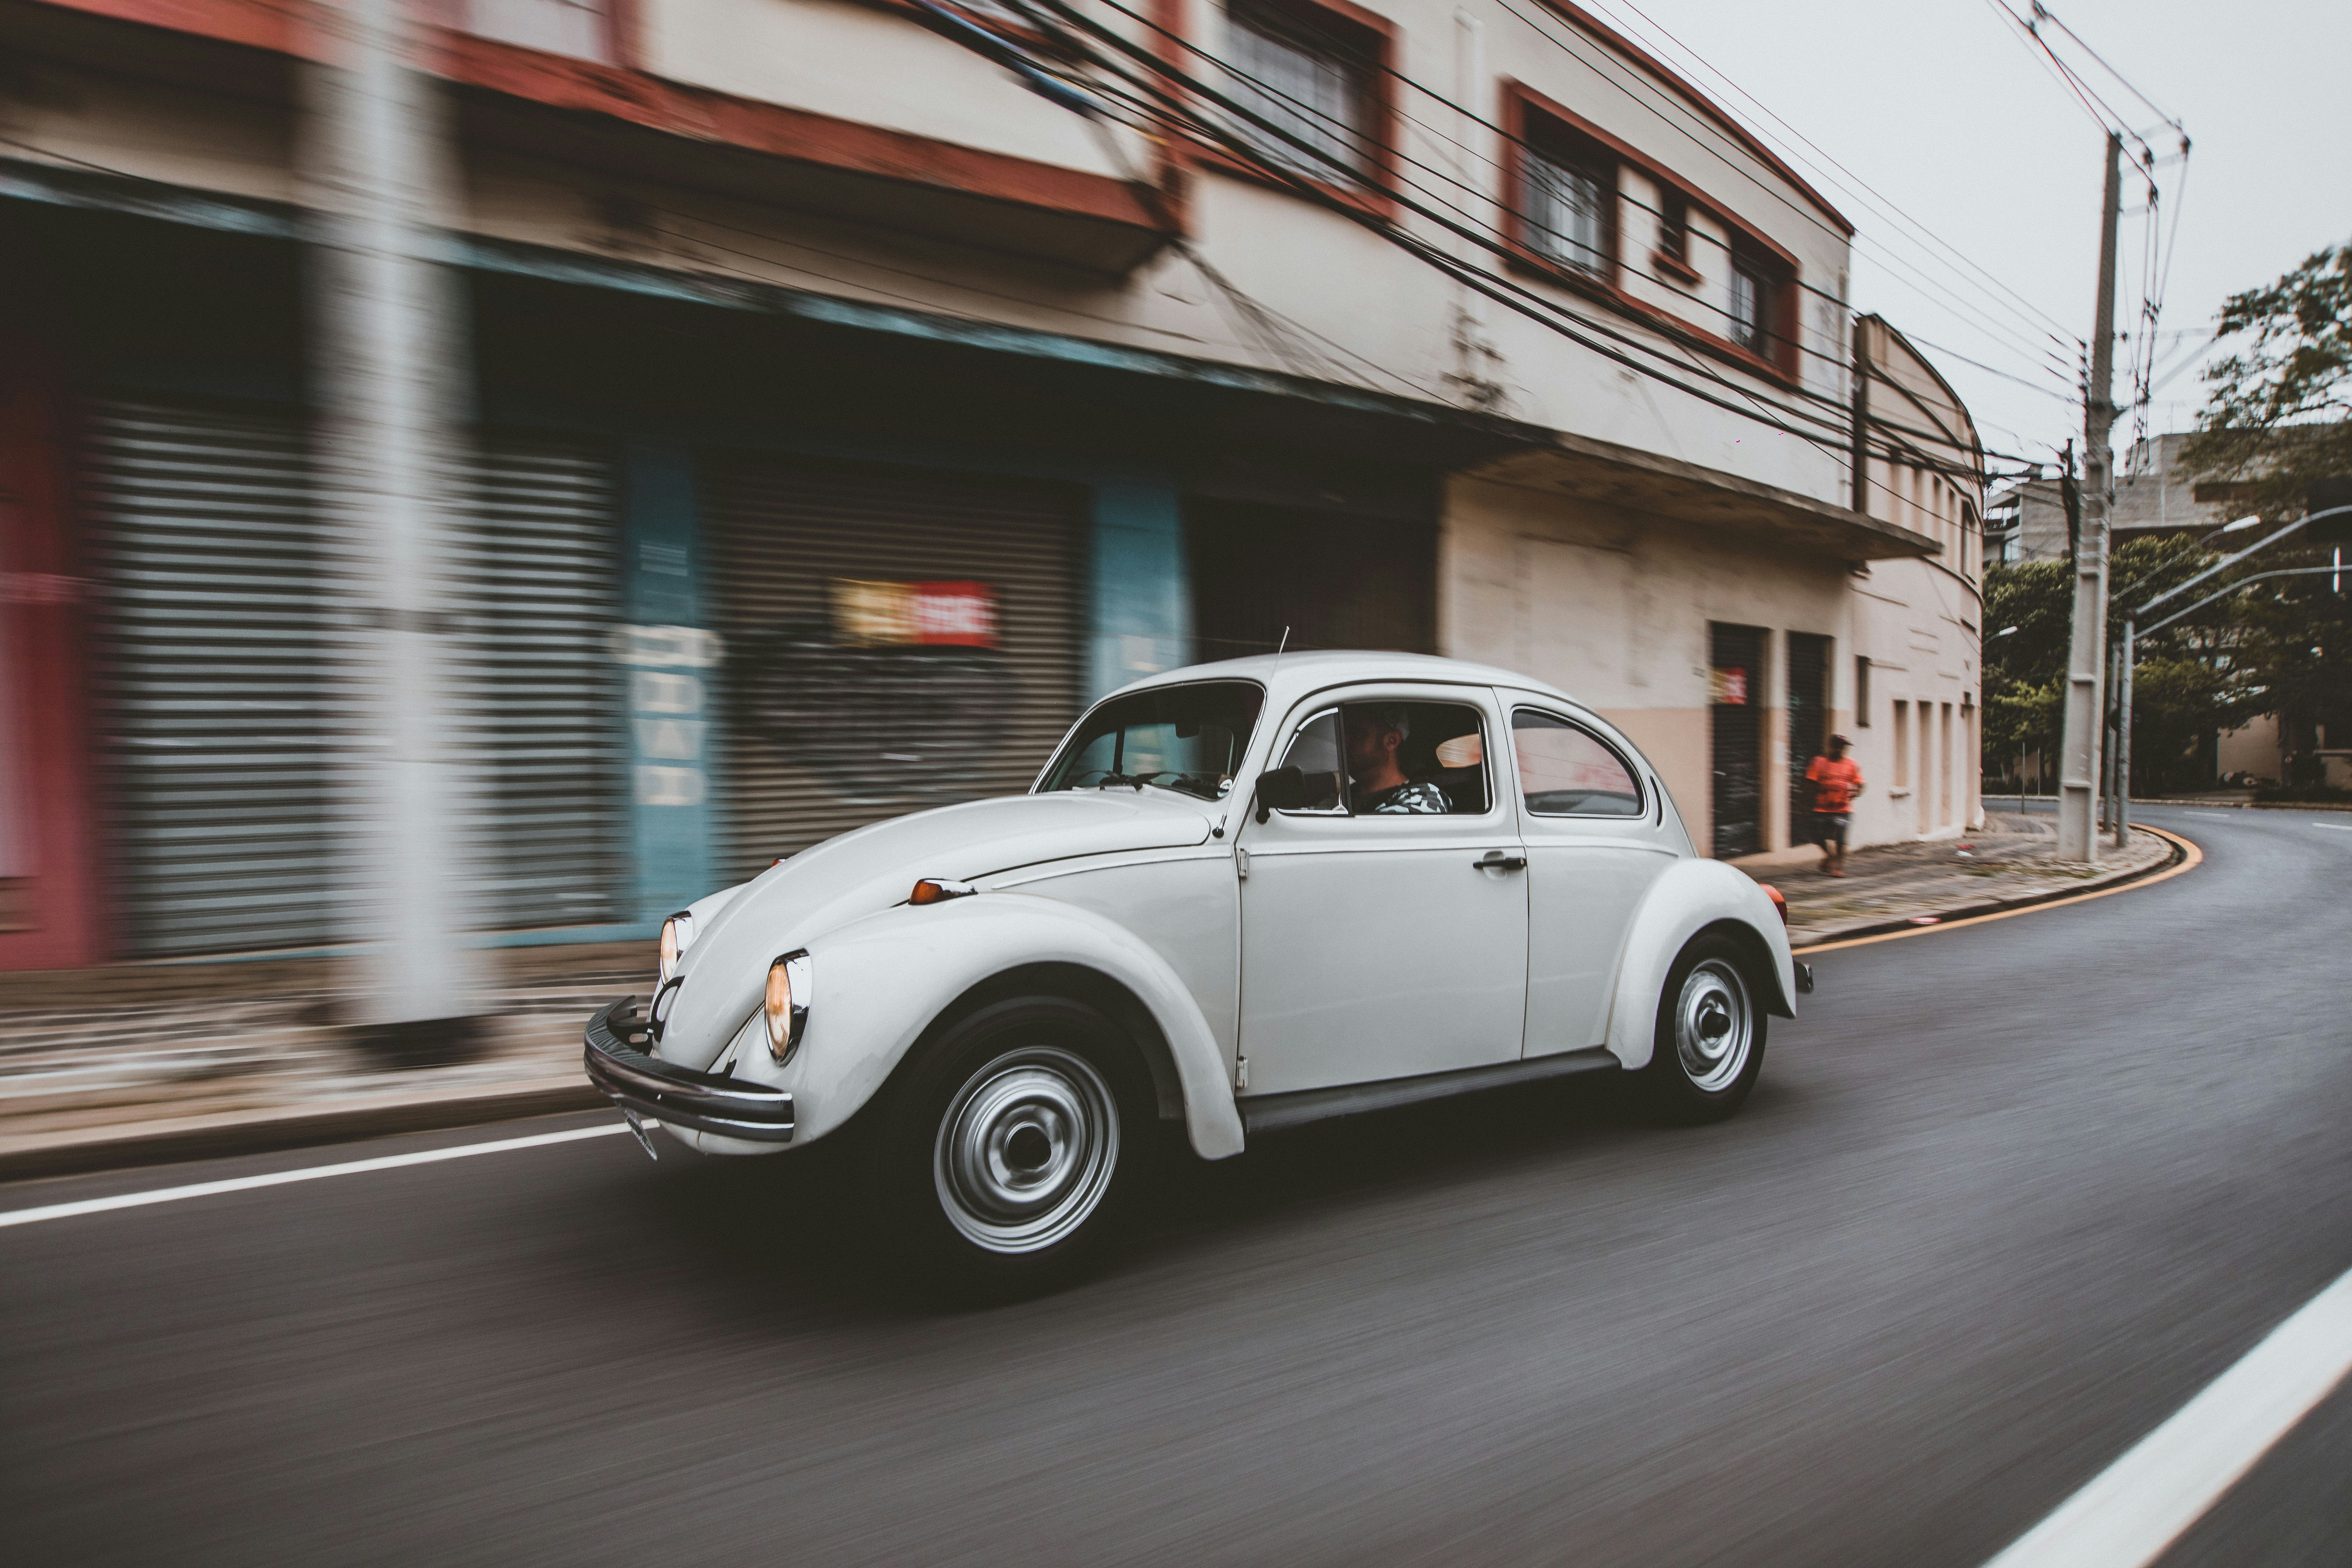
(1840, 740)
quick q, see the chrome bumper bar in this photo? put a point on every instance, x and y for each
(677, 1096)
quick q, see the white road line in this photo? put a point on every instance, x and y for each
(2143, 1502)
(2333, 827)
(308, 1173)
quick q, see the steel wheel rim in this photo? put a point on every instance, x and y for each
(1026, 1149)
(1714, 1027)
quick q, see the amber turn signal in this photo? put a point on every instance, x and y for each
(937, 890)
(1779, 904)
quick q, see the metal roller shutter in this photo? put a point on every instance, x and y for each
(221, 704)
(219, 700)
(540, 601)
(828, 729)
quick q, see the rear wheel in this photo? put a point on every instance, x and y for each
(1709, 1044)
(1011, 1146)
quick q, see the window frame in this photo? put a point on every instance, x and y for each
(1641, 785)
(1291, 739)
(1528, 118)
(1069, 736)
(1327, 701)
(1365, 40)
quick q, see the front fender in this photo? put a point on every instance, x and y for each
(879, 982)
(1691, 896)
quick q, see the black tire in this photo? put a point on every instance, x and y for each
(1709, 1043)
(1010, 1144)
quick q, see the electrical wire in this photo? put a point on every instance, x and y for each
(1243, 153)
(1838, 435)
(1852, 183)
(1604, 66)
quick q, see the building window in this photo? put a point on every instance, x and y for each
(1673, 227)
(1570, 207)
(582, 29)
(1313, 76)
(1862, 692)
(1902, 744)
(1752, 308)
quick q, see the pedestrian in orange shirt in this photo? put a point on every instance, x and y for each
(1836, 780)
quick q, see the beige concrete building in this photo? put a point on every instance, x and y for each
(1461, 327)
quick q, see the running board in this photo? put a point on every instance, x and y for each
(1270, 1112)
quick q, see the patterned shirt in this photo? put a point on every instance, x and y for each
(1421, 799)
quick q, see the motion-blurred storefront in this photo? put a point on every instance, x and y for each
(724, 586)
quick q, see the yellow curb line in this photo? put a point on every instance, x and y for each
(2192, 858)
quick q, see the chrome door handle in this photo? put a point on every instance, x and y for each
(1495, 860)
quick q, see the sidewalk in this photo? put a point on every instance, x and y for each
(140, 1064)
(2012, 860)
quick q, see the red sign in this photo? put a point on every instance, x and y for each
(1728, 686)
(868, 612)
(962, 614)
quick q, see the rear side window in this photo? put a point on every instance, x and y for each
(1566, 769)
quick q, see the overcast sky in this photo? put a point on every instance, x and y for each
(1943, 110)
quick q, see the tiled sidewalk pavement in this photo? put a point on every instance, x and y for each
(142, 1063)
(136, 1063)
(2012, 858)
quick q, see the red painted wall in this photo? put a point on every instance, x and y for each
(43, 618)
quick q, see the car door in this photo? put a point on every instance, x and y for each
(1594, 830)
(1377, 943)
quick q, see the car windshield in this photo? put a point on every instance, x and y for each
(1187, 738)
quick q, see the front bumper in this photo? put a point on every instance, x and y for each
(676, 1096)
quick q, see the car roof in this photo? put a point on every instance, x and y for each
(1287, 676)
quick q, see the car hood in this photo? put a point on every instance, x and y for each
(860, 873)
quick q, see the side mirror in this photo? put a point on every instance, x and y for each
(1281, 789)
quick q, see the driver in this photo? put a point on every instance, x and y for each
(1375, 730)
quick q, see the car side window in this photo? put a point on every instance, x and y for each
(1414, 759)
(1314, 751)
(1566, 769)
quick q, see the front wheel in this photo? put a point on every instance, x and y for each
(1709, 1044)
(1011, 1145)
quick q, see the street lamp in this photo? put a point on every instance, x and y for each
(2124, 718)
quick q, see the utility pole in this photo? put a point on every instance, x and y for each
(390, 364)
(1860, 416)
(2078, 756)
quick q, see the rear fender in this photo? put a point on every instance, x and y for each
(879, 982)
(1686, 900)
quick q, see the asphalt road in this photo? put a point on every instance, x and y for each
(2008, 1195)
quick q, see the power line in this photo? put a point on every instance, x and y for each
(1853, 183)
(1365, 143)
(1605, 65)
(1176, 112)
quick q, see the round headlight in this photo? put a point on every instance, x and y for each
(779, 1009)
(677, 934)
(784, 1008)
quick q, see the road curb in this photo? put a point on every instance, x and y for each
(167, 1143)
(1908, 925)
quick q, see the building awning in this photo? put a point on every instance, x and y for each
(1639, 481)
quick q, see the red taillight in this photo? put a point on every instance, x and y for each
(1779, 903)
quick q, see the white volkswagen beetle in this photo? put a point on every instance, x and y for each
(1239, 897)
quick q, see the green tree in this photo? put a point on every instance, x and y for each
(2278, 411)
(2190, 681)
(2277, 418)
